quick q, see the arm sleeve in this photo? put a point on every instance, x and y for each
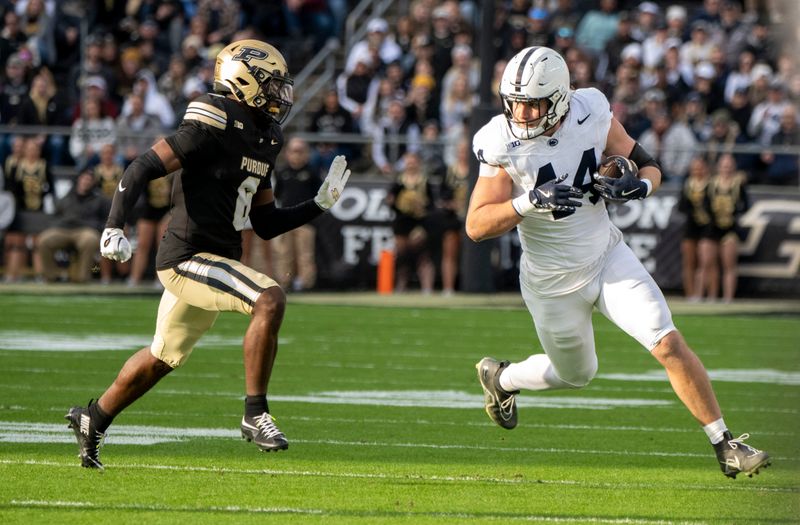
(142, 170)
(270, 221)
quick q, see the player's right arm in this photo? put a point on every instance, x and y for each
(490, 212)
(156, 162)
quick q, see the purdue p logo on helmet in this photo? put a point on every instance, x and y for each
(255, 73)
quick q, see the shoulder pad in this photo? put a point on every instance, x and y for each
(487, 143)
(207, 110)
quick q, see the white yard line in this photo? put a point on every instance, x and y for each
(236, 509)
(726, 487)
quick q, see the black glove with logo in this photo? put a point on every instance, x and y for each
(617, 180)
(552, 195)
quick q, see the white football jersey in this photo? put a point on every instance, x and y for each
(560, 251)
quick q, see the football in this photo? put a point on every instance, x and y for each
(616, 165)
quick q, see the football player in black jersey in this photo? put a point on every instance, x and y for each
(226, 148)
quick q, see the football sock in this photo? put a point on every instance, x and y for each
(535, 373)
(716, 431)
(255, 405)
(100, 419)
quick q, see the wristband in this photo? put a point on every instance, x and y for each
(522, 204)
(649, 185)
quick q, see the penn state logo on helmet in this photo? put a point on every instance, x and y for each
(533, 75)
(255, 73)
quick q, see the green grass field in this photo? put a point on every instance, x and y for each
(385, 420)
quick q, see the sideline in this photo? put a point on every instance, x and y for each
(508, 300)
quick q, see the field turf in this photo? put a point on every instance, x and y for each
(384, 416)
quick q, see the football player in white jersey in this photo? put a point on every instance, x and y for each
(538, 173)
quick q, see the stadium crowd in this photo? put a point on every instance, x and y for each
(689, 79)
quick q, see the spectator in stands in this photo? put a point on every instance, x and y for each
(333, 120)
(421, 103)
(152, 221)
(68, 49)
(598, 26)
(11, 37)
(431, 150)
(310, 17)
(672, 143)
(727, 201)
(393, 136)
(294, 253)
(676, 17)
(90, 133)
(355, 84)
(29, 180)
(171, 84)
(766, 118)
(457, 102)
(43, 107)
(705, 76)
(538, 27)
(564, 39)
(565, 15)
(463, 65)
(741, 110)
(453, 196)
(108, 171)
(154, 103)
(95, 89)
(411, 198)
(13, 90)
(222, 19)
(378, 44)
(698, 48)
(136, 130)
(130, 63)
(724, 137)
(783, 168)
(92, 66)
(78, 221)
(741, 77)
(621, 38)
(38, 28)
(443, 41)
(192, 51)
(694, 205)
(648, 18)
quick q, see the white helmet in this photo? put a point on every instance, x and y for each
(535, 73)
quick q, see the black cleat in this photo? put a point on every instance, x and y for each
(262, 431)
(736, 457)
(500, 405)
(89, 439)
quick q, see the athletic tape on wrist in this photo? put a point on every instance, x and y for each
(522, 204)
(649, 185)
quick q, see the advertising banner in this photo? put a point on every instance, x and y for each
(351, 237)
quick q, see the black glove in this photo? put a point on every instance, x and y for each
(627, 186)
(552, 195)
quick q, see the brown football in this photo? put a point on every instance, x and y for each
(615, 165)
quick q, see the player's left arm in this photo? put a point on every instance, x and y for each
(619, 142)
(270, 221)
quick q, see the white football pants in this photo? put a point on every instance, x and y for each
(623, 291)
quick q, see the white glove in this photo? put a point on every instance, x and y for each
(114, 245)
(332, 186)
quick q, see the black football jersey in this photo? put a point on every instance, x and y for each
(227, 152)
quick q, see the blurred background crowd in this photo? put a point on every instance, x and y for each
(86, 86)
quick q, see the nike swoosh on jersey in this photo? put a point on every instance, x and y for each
(273, 142)
(581, 121)
(121, 188)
